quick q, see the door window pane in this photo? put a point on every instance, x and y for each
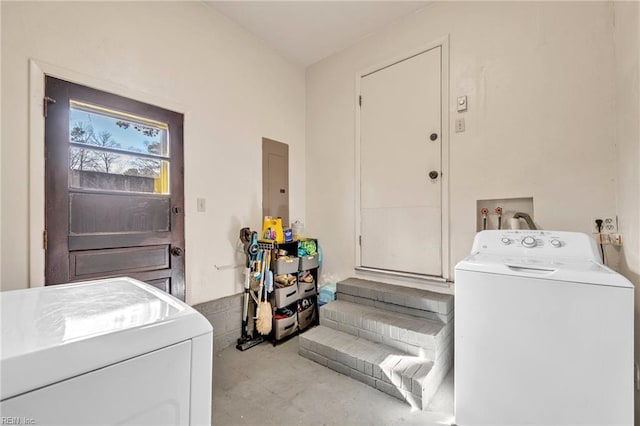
(115, 151)
(111, 171)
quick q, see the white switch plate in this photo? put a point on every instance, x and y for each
(459, 125)
(462, 103)
(202, 205)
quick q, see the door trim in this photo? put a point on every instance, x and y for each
(37, 71)
(443, 43)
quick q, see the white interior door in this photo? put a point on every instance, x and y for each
(400, 144)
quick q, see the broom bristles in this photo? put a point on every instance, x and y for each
(263, 323)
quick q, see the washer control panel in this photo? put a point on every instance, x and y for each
(531, 241)
(537, 243)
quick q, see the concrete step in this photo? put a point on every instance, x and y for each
(413, 335)
(405, 300)
(391, 370)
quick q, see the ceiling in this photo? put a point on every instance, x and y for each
(308, 31)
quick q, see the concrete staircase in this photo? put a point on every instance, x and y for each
(396, 339)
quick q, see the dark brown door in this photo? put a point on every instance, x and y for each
(114, 188)
(275, 179)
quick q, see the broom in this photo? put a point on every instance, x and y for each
(263, 323)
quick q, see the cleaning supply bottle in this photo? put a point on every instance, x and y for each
(298, 230)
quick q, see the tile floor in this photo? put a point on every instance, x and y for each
(274, 386)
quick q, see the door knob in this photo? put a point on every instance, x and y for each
(433, 136)
(177, 251)
(433, 174)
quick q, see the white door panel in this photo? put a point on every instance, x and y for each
(381, 227)
(401, 109)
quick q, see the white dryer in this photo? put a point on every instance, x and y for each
(543, 333)
(103, 352)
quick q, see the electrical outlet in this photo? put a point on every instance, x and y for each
(460, 125)
(609, 224)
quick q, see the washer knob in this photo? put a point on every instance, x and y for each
(555, 243)
(506, 241)
(529, 242)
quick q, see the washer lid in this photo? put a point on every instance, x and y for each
(557, 269)
(57, 332)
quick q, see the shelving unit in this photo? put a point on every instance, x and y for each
(295, 297)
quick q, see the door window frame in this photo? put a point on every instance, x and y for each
(408, 278)
(37, 72)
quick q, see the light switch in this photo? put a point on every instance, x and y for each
(202, 205)
(462, 103)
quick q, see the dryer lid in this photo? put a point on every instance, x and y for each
(57, 332)
(556, 269)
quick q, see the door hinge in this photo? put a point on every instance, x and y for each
(45, 104)
(360, 100)
(44, 239)
(360, 239)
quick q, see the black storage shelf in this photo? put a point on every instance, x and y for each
(306, 317)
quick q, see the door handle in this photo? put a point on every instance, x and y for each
(433, 174)
(177, 251)
(433, 136)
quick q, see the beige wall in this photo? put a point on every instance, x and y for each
(627, 50)
(540, 84)
(0, 156)
(234, 90)
(627, 54)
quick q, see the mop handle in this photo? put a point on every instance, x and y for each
(268, 265)
(245, 309)
(261, 285)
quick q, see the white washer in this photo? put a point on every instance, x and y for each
(106, 352)
(543, 333)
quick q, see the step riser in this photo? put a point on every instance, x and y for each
(380, 328)
(380, 379)
(397, 296)
(377, 329)
(445, 318)
(393, 298)
(383, 385)
(397, 375)
(404, 344)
